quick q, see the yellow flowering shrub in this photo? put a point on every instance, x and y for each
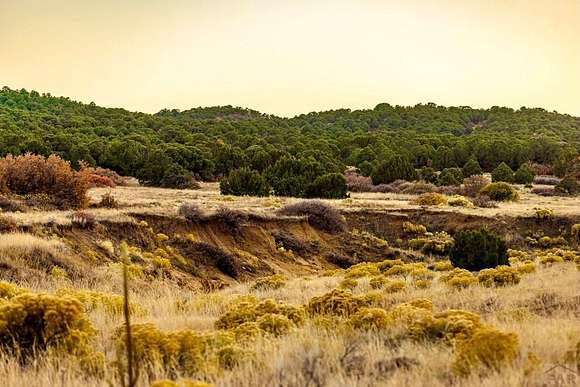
(387, 264)
(8, 290)
(339, 303)
(249, 310)
(275, 324)
(487, 349)
(360, 270)
(394, 286)
(161, 237)
(460, 201)
(348, 283)
(549, 258)
(439, 243)
(370, 318)
(33, 322)
(458, 278)
(526, 267)
(378, 281)
(442, 266)
(272, 282)
(543, 213)
(412, 228)
(499, 276)
(517, 256)
(186, 352)
(430, 199)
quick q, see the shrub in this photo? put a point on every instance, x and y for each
(243, 181)
(249, 310)
(185, 352)
(568, 185)
(108, 201)
(471, 168)
(348, 283)
(275, 324)
(545, 191)
(330, 186)
(442, 266)
(320, 215)
(543, 213)
(524, 175)
(487, 349)
(337, 303)
(502, 173)
(360, 270)
(370, 318)
(396, 167)
(52, 176)
(458, 278)
(500, 192)
(450, 176)
(478, 249)
(547, 242)
(272, 282)
(428, 174)
(430, 199)
(460, 201)
(500, 276)
(411, 228)
(32, 322)
(546, 180)
(192, 212)
(526, 267)
(358, 183)
(439, 243)
(473, 184)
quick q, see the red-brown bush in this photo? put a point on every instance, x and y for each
(53, 176)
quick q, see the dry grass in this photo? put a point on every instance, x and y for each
(314, 356)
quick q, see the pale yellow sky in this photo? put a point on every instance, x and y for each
(289, 57)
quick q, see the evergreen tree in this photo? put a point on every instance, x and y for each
(396, 167)
(471, 168)
(524, 175)
(502, 173)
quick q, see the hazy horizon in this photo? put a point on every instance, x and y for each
(289, 59)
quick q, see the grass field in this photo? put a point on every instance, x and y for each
(365, 339)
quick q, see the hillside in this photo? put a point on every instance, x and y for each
(206, 143)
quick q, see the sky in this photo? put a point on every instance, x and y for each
(292, 57)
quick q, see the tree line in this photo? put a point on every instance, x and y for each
(288, 155)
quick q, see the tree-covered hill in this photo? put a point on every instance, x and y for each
(208, 143)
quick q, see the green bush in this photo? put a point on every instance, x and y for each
(478, 249)
(501, 192)
(396, 167)
(330, 186)
(568, 185)
(524, 175)
(502, 173)
(244, 181)
(450, 176)
(428, 174)
(471, 168)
